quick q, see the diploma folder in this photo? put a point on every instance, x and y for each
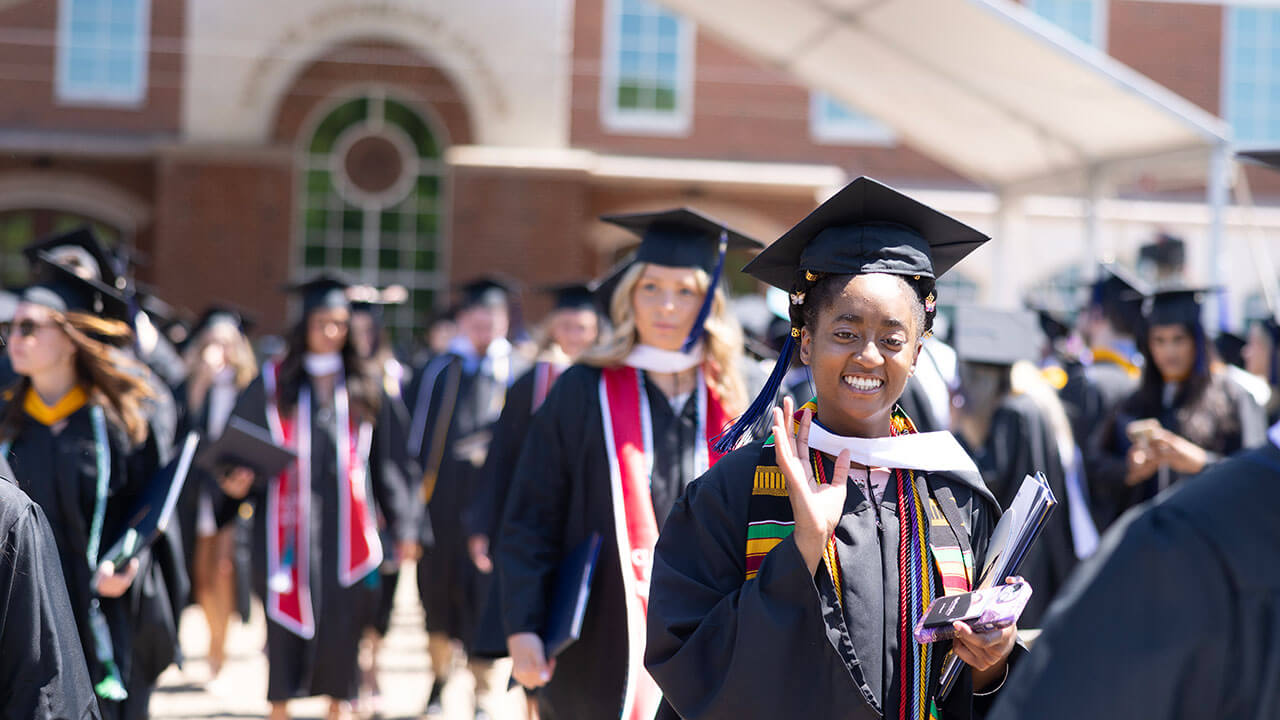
(245, 444)
(154, 511)
(1019, 527)
(569, 596)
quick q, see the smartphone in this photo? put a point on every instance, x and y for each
(982, 610)
(1140, 431)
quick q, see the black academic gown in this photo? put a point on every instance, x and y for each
(1020, 443)
(328, 663)
(1113, 445)
(560, 495)
(780, 645)
(485, 515)
(59, 472)
(450, 433)
(1177, 616)
(43, 675)
(1090, 399)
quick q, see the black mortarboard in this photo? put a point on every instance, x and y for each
(996, 337)
(218, 314)
(1055, 325)
(1118, 292)
(61, 289)
(325, 290)
(571, 296)
(1167, 252)
(244, 443)
(371, 300)
(486, 291)
(683, 237)
(866, 227)
(1269, 158)
(1175, 306)
(153, 510)
(79, 247)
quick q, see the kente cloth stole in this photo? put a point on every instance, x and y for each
(628, 433)
(289, 507)
(924, 533)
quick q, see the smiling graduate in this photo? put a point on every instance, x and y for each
(787, 579)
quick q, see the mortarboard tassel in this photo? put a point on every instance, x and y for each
(756, 417)
(695, 333)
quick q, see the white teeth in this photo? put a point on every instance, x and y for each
(858, 383)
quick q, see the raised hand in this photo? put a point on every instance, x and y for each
(817, 507)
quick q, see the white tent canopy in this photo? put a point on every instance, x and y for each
(984, 86)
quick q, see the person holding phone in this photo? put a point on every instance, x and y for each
(788, 578)
(1183, 417)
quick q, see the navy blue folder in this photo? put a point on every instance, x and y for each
(570, 595)
(154, 510)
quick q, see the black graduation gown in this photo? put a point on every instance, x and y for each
(1176, 616)
(560, 494)
(460, 406)
(59, 472)
(485, 514)
(780, 645)
(1113, 445)
(43, 675)
(328, 663)
(1090, 399)
(1020, 443)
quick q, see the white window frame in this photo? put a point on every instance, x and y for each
(642, 122)
(1101, 23)
(827, 131)
(1225, 80)
(132, 96)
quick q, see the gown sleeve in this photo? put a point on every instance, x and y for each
(534, 517)
(43, 675)
(485, 514)
(391, 472)
(711, 636)
(1126, 623)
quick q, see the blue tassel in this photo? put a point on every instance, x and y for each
(757, 417)
(695, 333)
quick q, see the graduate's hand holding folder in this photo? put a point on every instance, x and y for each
(243, 452)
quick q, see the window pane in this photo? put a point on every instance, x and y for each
(648, 56)
(102, 46)
(1253, 74)
(1078, 17)
(342, 117)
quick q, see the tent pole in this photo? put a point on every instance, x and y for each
(1092, 222)
(1216, 196)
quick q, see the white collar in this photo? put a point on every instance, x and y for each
(322, 364)
(930, 452)
(652, 359)
(500, 347)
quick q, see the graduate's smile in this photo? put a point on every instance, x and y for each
(863, 384)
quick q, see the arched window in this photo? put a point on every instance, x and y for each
(372, 201)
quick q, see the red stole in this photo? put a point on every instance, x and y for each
(628, 434)
(544, 376)
(288, 601)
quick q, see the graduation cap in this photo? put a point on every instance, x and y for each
(79, 249)
(325, 290)
(570, 296)
(244, 443)
(1054, 324)
(1166, 253)
(371, 300)
(1267, 158)
(61, 289)
(1230, 347)
(153, 512)
(224, 314)
(996, 337)
(486, 291)
(867, 227)
(1175, 306)
(683, 237)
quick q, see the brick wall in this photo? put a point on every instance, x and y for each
(1179, 45)
(28, 66)
(223, 223)
(742, 110)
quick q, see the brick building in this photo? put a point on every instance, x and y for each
(237, 144)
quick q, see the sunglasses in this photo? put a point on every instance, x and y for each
(24, 328)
